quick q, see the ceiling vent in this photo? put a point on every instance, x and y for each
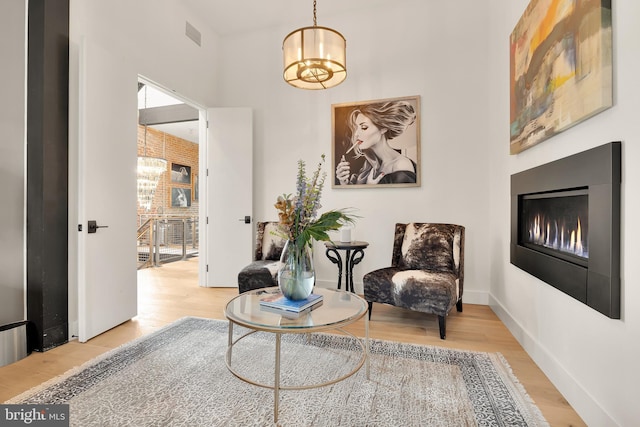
(193, 33)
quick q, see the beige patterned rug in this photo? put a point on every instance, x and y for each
(177, 377)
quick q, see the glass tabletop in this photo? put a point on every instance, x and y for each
(338, 308)
(356, 244)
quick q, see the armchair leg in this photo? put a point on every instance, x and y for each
(370, 308)
(443, 327)
(459, 306)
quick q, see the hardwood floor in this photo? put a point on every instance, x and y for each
(168, 293)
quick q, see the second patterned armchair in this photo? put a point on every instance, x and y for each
(426, 273)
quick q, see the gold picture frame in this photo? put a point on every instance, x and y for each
(376, 143)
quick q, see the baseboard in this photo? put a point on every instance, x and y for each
(582, 402)
(475, 297)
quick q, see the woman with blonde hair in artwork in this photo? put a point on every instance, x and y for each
(372, 127)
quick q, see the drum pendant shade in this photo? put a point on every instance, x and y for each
(314, 57)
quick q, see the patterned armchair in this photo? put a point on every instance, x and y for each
(426, 273)
(263, 271)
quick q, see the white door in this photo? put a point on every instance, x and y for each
(229, 190)
(107, 134)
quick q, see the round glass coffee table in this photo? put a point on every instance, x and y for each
(338, 310)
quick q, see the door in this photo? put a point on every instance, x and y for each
(107, 134)
(229, 190)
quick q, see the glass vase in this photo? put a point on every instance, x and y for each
(296, 277)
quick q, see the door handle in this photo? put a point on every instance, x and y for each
(246, 219)
(92, 226)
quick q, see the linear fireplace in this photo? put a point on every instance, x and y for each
(565, 225)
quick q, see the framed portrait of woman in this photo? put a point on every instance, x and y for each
(376, 143)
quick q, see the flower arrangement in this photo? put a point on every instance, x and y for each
(298, 214)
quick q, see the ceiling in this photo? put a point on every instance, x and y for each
(184, 130)
(241, 16)
(150, 97)
(227, 18)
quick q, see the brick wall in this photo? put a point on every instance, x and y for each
(176, 151)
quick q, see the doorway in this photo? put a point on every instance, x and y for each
(221, 153)
(168, 178)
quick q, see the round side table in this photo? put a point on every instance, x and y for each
(354, 254)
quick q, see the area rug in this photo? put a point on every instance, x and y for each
(177, 377)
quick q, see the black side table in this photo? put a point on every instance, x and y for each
(351, 259)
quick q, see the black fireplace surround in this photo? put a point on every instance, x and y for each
(593, 277)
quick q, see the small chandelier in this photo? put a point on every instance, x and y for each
(314, 57)
(149, 171)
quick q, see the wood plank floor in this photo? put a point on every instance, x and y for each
(168, 293)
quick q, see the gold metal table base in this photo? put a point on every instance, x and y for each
(276, 387)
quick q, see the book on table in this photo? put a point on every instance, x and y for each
(278, 301)
(293, 315)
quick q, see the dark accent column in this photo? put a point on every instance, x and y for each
(47, 173)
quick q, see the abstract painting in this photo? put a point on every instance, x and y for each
(561, 72)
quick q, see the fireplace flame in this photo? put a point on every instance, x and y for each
(550, 234)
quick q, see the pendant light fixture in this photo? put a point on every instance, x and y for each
(314, 57)
(149, 171)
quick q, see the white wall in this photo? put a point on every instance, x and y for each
(459, 64)
(435, 52)
(151, 34)
(590, 358)
(12, 172)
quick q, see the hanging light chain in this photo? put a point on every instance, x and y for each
(315, 23)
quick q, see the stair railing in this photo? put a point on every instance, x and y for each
(165, 239)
